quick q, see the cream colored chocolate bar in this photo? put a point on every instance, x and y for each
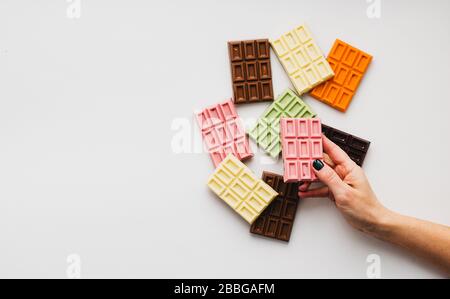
(302, 59)
(235, 184)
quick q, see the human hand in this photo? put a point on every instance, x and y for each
(347, 185)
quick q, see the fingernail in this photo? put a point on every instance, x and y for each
(318, 165)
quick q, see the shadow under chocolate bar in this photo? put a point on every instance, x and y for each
(354, 146)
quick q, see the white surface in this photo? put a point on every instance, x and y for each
(86, 162)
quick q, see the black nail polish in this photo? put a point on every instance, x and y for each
(318, 165)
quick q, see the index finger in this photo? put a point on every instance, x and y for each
(336, 154)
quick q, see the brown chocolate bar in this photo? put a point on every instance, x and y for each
(251, 71)
(355, 147)
(278, 219)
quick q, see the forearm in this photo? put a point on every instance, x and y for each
(426, 239)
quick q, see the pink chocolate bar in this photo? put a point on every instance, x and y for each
(301, 140)
(223, 132)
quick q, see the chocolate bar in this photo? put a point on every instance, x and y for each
(251, 71)
(277, 220)
(236, 185)
(302, 59)
(350, 64)
(354, 146)
(301, 140)
(223, 132)
(266, 133)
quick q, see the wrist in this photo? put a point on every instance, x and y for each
(384, 224)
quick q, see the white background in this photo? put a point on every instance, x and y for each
(87, 165)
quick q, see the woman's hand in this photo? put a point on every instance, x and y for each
(346, 184)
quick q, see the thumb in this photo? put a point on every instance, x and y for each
(329, 177)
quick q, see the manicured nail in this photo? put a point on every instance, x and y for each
(318, 165)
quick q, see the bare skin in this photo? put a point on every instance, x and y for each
(346, 184)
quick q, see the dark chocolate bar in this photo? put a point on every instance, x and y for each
(277, 220)
(354, 146)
